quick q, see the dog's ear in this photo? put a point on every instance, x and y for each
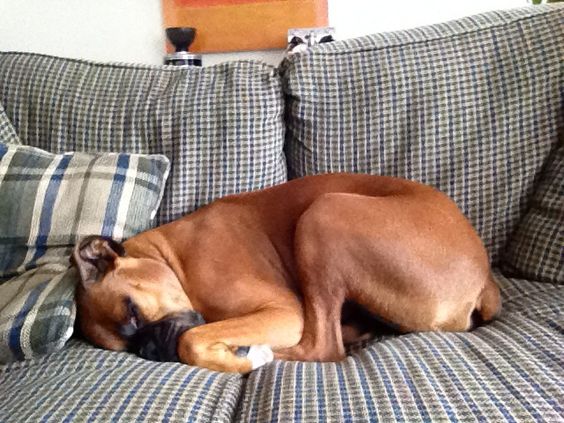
(93, 255)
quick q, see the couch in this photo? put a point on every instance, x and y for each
(473, 107)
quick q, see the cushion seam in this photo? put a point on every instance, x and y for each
(292, 60)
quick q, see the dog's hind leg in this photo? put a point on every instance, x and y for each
(413, 260)
(322, 290)
(322, 338)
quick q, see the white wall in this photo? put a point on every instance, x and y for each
(131, 30)
(114, 30)
(352, 18)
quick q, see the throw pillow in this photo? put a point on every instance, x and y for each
(49, 202)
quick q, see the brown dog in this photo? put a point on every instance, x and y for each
(272, 269)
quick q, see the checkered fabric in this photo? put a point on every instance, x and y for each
(7, 132)
(535, 250)
(509, 370)
(48, 202)
(221, 126)
(85, 384)
(471, 107)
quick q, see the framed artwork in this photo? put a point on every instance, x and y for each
(238, 25)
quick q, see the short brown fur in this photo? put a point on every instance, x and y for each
(275, 266)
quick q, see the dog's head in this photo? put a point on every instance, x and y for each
(124, 300)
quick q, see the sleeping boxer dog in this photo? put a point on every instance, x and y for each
(270, 271)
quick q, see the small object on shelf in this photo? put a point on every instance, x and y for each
(181, 38)
(300, 39)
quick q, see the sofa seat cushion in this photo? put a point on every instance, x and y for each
(472, 107)
(47, 203)
(221, 126)
(509, 370)
(83, 383)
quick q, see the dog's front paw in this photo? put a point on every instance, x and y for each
(258, 355)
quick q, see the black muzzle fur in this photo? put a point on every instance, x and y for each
(158, 340)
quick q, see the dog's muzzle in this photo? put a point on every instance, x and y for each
(158, 341)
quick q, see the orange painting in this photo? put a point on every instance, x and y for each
(237, 25)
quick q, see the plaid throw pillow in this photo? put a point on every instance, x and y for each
(470, 107)
(48, 203)
(535, 250)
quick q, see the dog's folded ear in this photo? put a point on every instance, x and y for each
(93, 255)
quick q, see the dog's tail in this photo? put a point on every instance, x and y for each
(488, 305)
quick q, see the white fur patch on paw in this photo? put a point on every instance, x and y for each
(259, 355)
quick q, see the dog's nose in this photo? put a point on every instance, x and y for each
(158, 340)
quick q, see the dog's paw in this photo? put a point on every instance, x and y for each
(259, 355)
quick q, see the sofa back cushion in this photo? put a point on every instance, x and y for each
(535, 251)
(470, 107)
(221, 126)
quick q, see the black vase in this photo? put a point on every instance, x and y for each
(181, 38)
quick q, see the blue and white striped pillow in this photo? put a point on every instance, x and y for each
(48, 203)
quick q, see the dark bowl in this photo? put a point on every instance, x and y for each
(181, 37)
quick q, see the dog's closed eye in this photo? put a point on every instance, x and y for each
(133, 318)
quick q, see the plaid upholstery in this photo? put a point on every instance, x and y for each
(510, 370)
(85, 384)
(536, 249)
(48, 203)
(221, 126)
(7, 132)
(471, 107)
